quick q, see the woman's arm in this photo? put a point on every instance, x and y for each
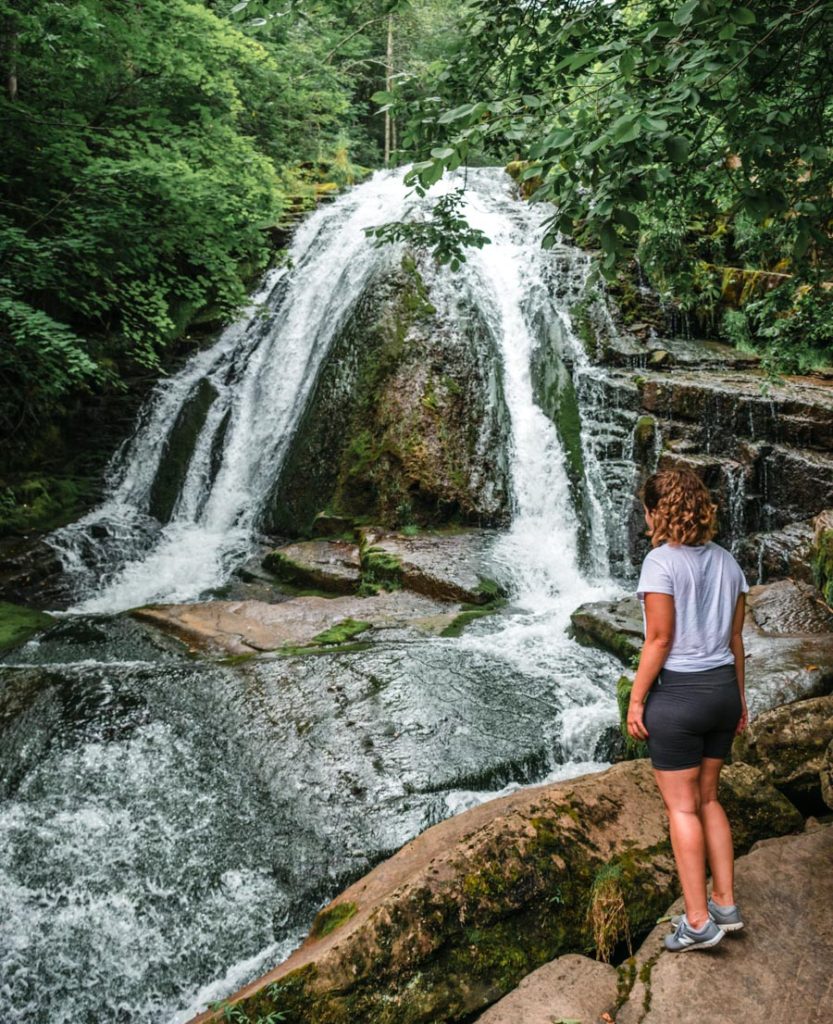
(659, 635)
(736, 647)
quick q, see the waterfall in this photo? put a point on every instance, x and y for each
(158, 539)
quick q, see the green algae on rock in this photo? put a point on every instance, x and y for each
(18, 624)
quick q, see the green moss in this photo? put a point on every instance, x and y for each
(341, 632)
(380, 569)
(823, 565)
(17, 624)
(471, 614)
(331, 918)
(633, 748)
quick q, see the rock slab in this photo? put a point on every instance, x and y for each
(779, 969)
(572, 987)
(246, 627)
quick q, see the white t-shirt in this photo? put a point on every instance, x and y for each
(705, 580)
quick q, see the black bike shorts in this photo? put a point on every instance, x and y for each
(691, 715)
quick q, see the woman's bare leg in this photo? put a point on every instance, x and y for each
(717, 833)
(681, 794)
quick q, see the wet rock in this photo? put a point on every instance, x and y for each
(777, 968)
(789, 745)
(788, 640)
(178, 449)
(460, 914)
(246, 627)
(826, 776)
(323, 564)
(407, 423)
(328, 524)
(571, 988)
(30, 572)
(615, 626)
(777, 553)
(446, 566)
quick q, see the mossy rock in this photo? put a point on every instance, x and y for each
(633, 748)
(822, 555)
(18, 624)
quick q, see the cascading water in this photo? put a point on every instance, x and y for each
(171, 826)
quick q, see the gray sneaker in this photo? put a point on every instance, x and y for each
(727, 918)
(684, 937)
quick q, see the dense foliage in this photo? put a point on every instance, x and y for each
(149, 155)
(695, 134)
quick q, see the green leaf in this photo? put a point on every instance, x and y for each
(626, 129)
(627, 219)
(442, 154)
(684, 14)
(382, 97)
(456, 114)
(608, 238)
(741, 15)
(627, 62)
(677, 148)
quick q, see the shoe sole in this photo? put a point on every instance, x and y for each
(736, 927)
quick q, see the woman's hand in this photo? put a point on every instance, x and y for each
(636, 727)
(743, 721)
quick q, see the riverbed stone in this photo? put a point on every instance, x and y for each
(248, 627)
(615, 626)
(323, 564)
(571, 987)
(777, 969)
(459, 915)
(789, 745)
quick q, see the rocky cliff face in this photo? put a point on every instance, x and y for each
(764, 446)
(407, 423)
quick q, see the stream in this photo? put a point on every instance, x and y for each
(170, 824)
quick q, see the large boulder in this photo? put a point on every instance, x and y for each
(406, 423)
(248, 627)
(460, 914)
(789, 744)
(787, 635)
(776, 970)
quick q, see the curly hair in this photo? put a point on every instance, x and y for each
(682, 507)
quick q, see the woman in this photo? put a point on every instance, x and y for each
(688, 698)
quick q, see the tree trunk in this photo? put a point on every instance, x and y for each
(389, 129)
(11, 58)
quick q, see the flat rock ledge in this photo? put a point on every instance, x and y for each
(456, 918)
(447, 565)
(249, 627)
(787, 635)
(778, 969)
